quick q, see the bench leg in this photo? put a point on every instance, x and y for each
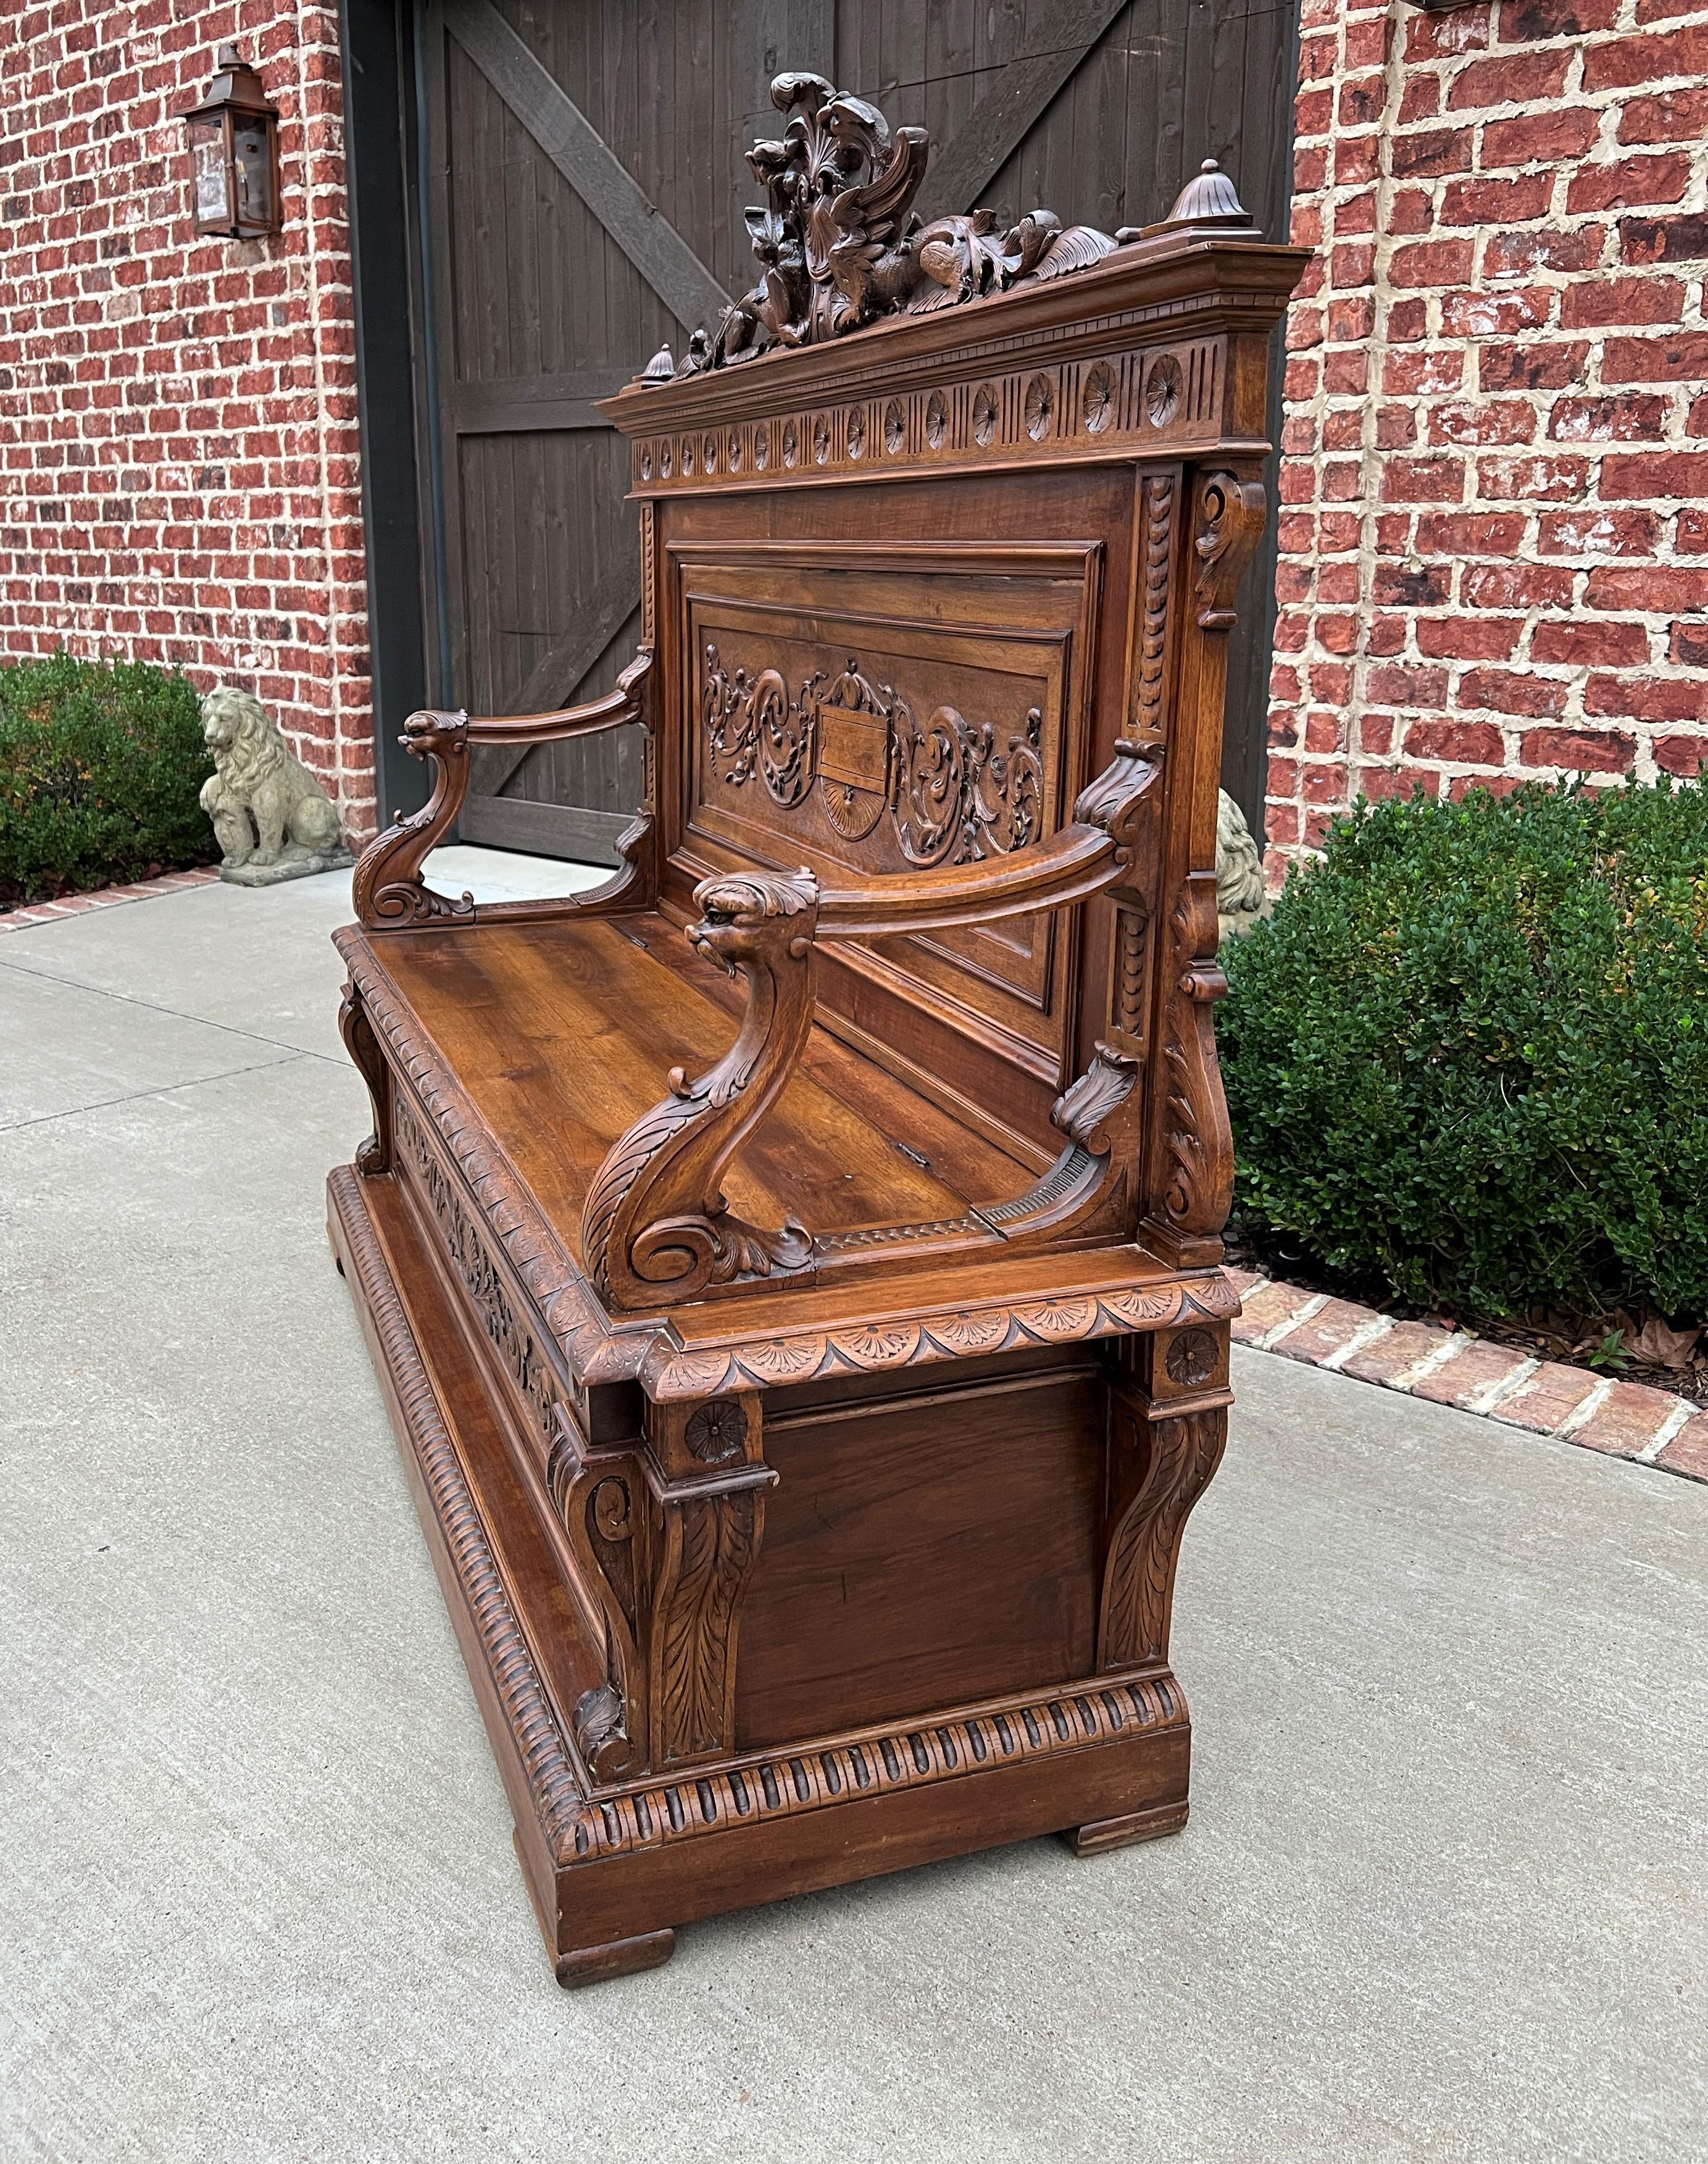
(1121, 1833)
(588, 1965)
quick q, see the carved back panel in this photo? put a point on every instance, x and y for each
(910, 588)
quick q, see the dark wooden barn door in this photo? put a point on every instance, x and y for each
(587, 186)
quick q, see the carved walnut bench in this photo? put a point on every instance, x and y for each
(792, 1267)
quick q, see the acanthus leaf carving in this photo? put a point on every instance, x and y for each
(1168, 1464)
(708, 1544)
(954, 791)
(600, 1725)
(655, 1220)
(1083, 1110)
(1090, 1186)
(838, 246)
(1196, 1133)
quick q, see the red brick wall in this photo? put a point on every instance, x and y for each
(1494, 516)
(179, 477)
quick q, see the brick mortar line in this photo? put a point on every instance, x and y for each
(1581, 1414)
(1674, 1422)
(1314, 1306)
(1431, 1363)
(1367, 1333)
(1488, 1403)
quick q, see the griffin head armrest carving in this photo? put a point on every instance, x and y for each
(386, 888)
(655, 1225)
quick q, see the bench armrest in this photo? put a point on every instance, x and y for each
(1112, 830)
(387, 888)
(655, 1225)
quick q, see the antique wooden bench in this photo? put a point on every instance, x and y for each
(793, 1266)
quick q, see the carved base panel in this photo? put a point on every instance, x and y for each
(616, 1860)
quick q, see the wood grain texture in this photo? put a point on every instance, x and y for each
(562, 131)
(794, 1268)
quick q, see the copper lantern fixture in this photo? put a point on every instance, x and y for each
(234, 154)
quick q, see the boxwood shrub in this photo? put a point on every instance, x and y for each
(1467, 1057)
(100, 764)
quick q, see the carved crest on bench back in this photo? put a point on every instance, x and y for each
(838, 245)
(954, 791)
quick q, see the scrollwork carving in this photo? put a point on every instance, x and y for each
(1230, 519)
(655, 1223)
(953, 790)
(754, 725)
(837, 246)
(386, 888)
(490, 1297)
(959, 797)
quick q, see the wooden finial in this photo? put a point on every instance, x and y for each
(1209, 198)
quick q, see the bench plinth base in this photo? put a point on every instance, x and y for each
(614, 1868)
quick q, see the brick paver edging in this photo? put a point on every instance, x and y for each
(103, 897)
(1454, 1368)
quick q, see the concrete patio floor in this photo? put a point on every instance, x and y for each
(1442, 1894)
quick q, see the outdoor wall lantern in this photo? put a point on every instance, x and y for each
(234, 154)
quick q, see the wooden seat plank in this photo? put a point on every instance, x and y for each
(564, 1034)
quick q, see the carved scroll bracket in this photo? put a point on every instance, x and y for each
(600, 1498)
(664, 1534)
(1090, 1190)
(707, 1519)
(1230, 521)
(375, 1155)
(1159, 1467)
(655, 1223)
(387, 888)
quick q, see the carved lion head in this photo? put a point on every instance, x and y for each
(229, 716)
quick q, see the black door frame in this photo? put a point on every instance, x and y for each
(378, 42)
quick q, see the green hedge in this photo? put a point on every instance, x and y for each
(1468, 1056)
(100, 764)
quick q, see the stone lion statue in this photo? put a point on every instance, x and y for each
(1241, 897)
(269, 814)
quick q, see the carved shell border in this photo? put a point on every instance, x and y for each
(957, 1334)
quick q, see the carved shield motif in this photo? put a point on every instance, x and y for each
(954, 790)
(853, 724)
